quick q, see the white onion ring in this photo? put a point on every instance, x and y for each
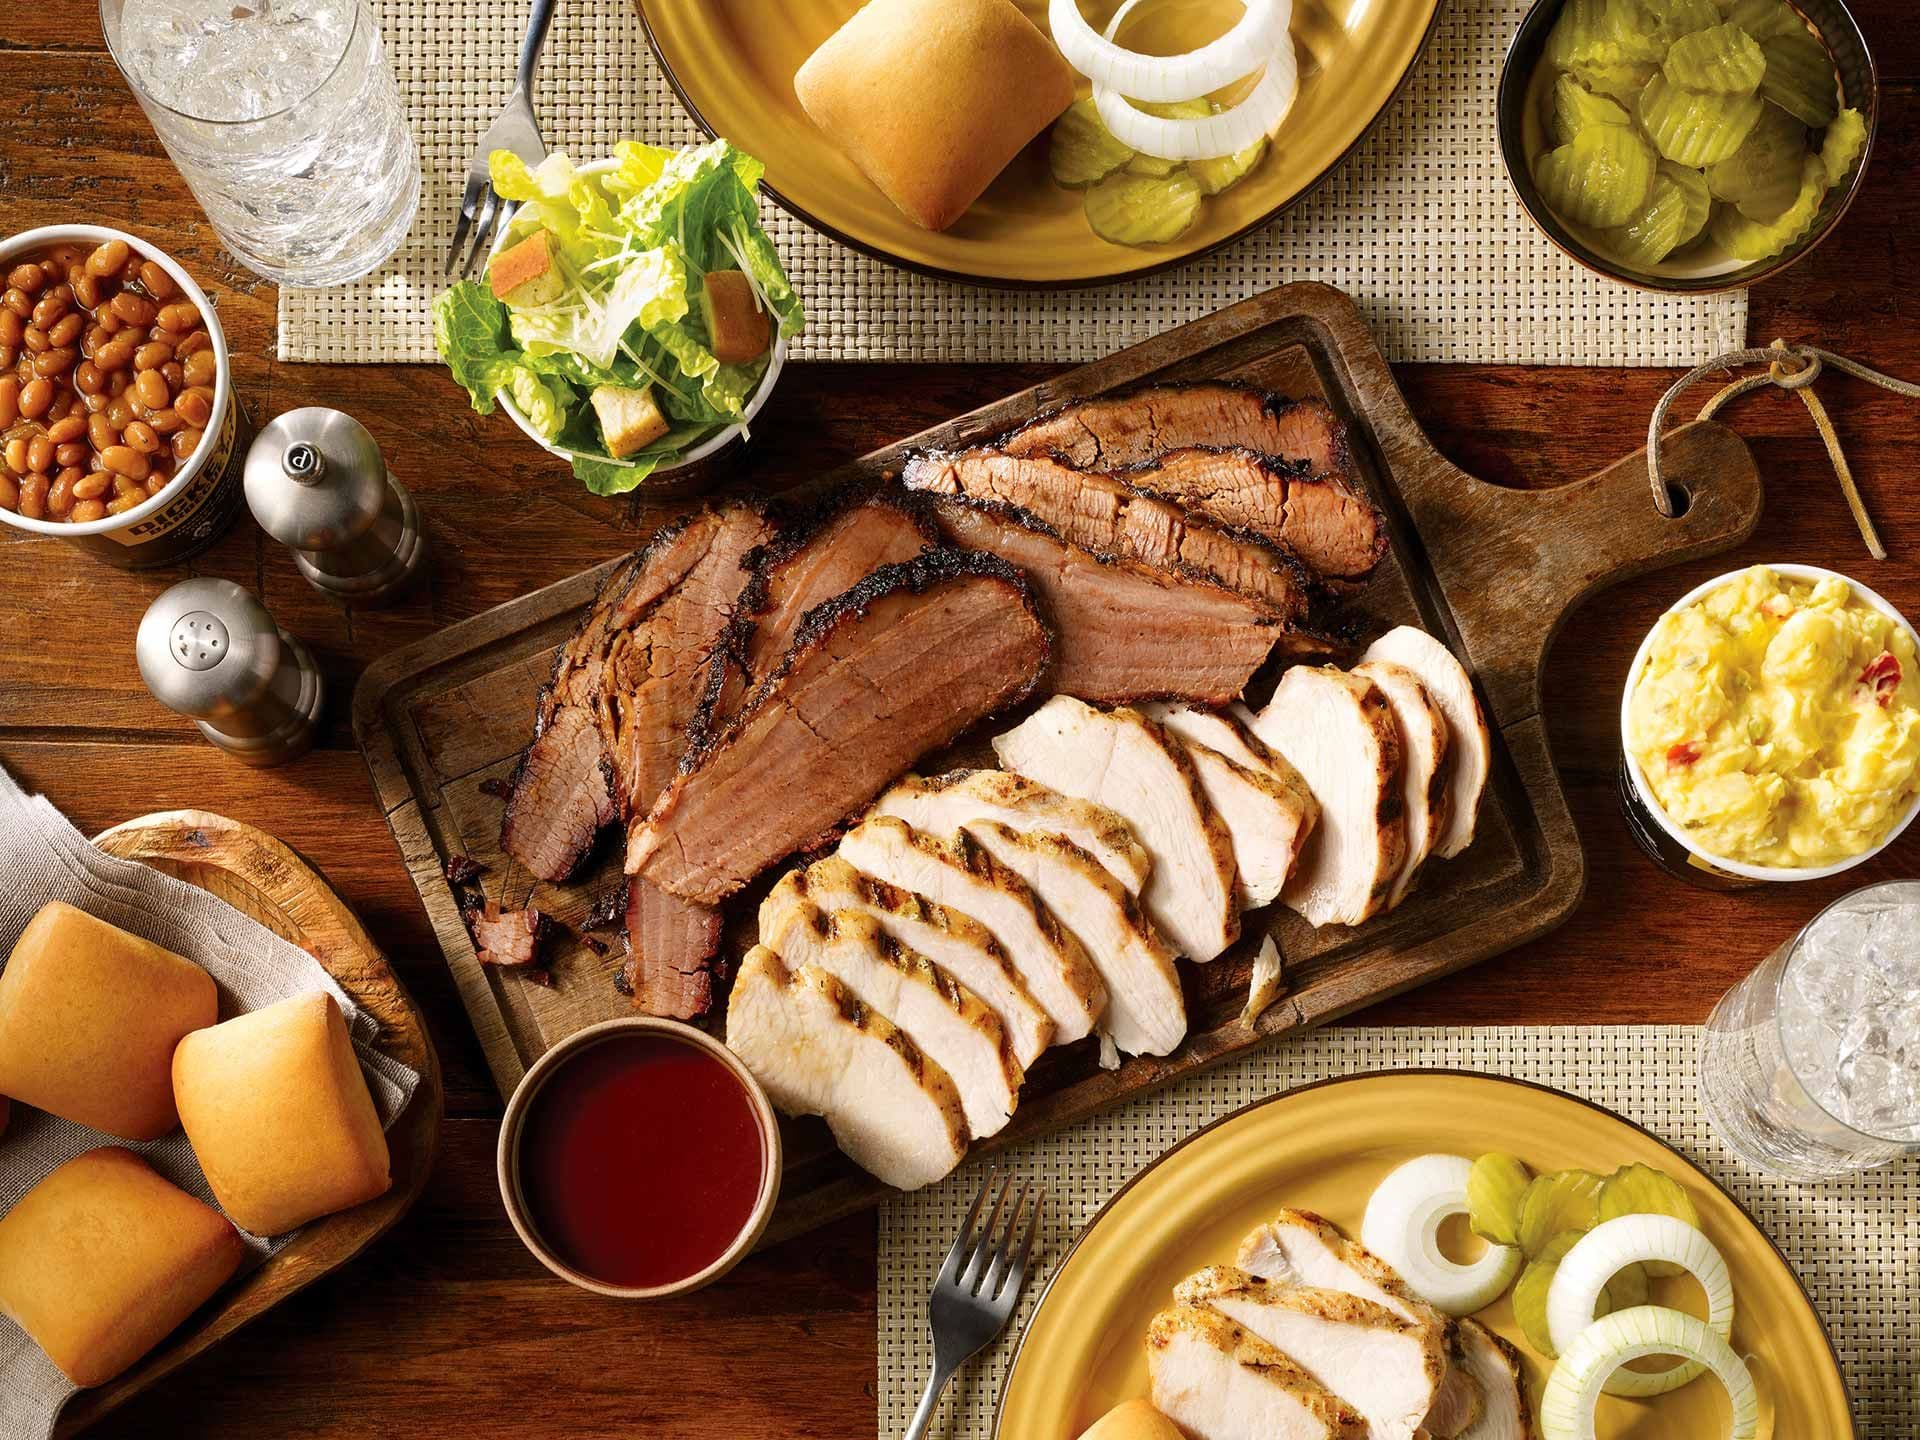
(1402, 1227)
(1610, 1247)
(1227, 133)
(1566, 1409)
(1169, 77)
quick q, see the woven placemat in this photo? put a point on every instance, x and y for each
(1854, 1243)
(1419, 225)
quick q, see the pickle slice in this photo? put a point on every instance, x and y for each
(1530, 1291)
(1657, 231)
(1763, 175)
(1800, 78)
(1695, 127)
(1746, 239)
(1143, 209)
(1641, 1190)
(1598, 178)
(1494, 1187)
(1693, 186)
(1575, 107)
(1566, 1200)
(1763, 19)
(1228, 170)
(1682, 17)
(1628, 1287)
(1622, 82)
(1846, 137)
(1151, 166)
(1080, 148)
(1603, 32)
(1723, 58)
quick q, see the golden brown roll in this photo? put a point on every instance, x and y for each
(103, 1258)
(1132, 1420)
(932, 98)
(279, 1115)
(89, 1016)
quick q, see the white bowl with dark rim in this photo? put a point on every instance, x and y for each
(1643, 788)
(204, 495)
(508, 1156)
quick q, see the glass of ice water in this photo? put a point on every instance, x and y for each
(283, 117)
(1811, 1065)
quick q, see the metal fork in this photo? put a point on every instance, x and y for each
(976, 1289)
(481, 208)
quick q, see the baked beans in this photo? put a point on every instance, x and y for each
(107, 375)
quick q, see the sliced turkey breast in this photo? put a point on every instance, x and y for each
(1459, 1402)
(1217, 1382)
(1121, 759)
(950, 1024)
(941, 804)
(958, 943)
(1298, 1247)
(1384, 1366)
(1424, 741)
(819, 1051)
(1230, 732)
(961, 874)
(1338, 733)
(1495, 1365)
(1146, 1014)
(1470, 751)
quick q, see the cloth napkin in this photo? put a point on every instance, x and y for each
(45, 858)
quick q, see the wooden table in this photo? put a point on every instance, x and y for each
(448, 1326)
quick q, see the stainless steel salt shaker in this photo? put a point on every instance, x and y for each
(316, 483)
(209, 650)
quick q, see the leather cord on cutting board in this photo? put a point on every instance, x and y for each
(1790, 367)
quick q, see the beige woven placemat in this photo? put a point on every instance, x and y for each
(1419, 225)
(1854, 1243)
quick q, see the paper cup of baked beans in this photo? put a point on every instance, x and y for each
(119, 428)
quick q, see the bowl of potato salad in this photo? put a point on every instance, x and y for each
(1771, 723)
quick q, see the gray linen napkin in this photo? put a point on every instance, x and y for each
(44, 858)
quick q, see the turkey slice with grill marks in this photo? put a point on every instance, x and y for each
(1218, 1382)
(1121, 759)
(941, 804)
(1495, 1366)
(1146, 1014)
(949, 1023)
(958, 943)
(961, 874)
(1424, 741)
(819, 1051)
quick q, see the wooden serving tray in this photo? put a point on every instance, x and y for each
(260, 877)
(1492, 570)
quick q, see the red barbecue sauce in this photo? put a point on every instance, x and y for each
(640, 1160)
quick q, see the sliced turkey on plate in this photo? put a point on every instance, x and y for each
(1470, 749)
(1217, 1382)
(1124, 761)
(1146, 1014)
(960, 874)
(949, 1023)
(1267, 807)
(1337, 731)
(941, 804)
(1424, 742)
(1381, 1364)
(819, 1051)
(1495, 1366)
(958, 943)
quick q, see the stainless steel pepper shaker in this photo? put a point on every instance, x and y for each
(316, 483)
(209, 650)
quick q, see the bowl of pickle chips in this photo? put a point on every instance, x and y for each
(1687, 145)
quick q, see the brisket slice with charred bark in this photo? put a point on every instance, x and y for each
(899, 665)
(1126, 631)
(1115, 431)
(670, 948)
(1107, 513)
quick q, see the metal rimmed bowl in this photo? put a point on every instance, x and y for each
(1521, 132)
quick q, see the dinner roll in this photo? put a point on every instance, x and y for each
(932, 98)
(103, 1258)
(89, 1016)
(1132, 1420)
(279, 1114)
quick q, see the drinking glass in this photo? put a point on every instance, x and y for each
(283, 118)
(1810, 1067)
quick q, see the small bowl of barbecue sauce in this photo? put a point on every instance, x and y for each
(639, 1159)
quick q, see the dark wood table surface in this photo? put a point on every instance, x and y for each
(447, 1326)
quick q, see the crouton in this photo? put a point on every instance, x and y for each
(736, 325)
(629, 419)
(524, 272)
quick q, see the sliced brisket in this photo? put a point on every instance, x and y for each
(670, 948)
(509, 938)
(1122, 630)
(1115, 431)
(562, 795)
(899, 665)
(1109, 514)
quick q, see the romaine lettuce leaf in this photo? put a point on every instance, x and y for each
(544, 400)
(470, 330)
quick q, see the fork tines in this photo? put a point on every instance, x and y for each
(981, 1263)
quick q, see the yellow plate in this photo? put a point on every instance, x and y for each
(732, 64)
(1324, 1148)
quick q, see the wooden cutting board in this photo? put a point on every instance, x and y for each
(260, 877)
(1492, 570)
